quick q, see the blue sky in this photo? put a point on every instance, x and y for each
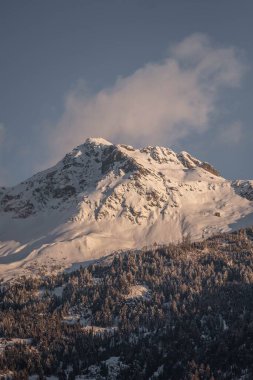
(176, 73)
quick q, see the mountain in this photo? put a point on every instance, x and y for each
(103, 197)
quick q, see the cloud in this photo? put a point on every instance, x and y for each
(160, 102)
(232, 134)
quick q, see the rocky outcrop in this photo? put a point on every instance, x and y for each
(244, 189)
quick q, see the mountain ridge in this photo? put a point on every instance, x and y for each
(112, 154)
(102, 197)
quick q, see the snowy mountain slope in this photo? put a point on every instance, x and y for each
(103, 197)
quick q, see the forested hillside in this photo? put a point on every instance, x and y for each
(167, 312)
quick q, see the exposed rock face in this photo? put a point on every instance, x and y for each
(209, 168)
(190, 163)
(244, 189)
(102, 197)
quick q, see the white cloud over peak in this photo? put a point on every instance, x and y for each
(159, 102)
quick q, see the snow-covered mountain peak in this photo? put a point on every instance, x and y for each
(102, 168)
(97, 141)
(91, 144)
(188, 160)
(102, 196)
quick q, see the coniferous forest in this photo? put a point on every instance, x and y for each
(166, 312)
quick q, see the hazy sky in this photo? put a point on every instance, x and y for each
(176, 73)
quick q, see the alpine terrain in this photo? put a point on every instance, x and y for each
(103, 197)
